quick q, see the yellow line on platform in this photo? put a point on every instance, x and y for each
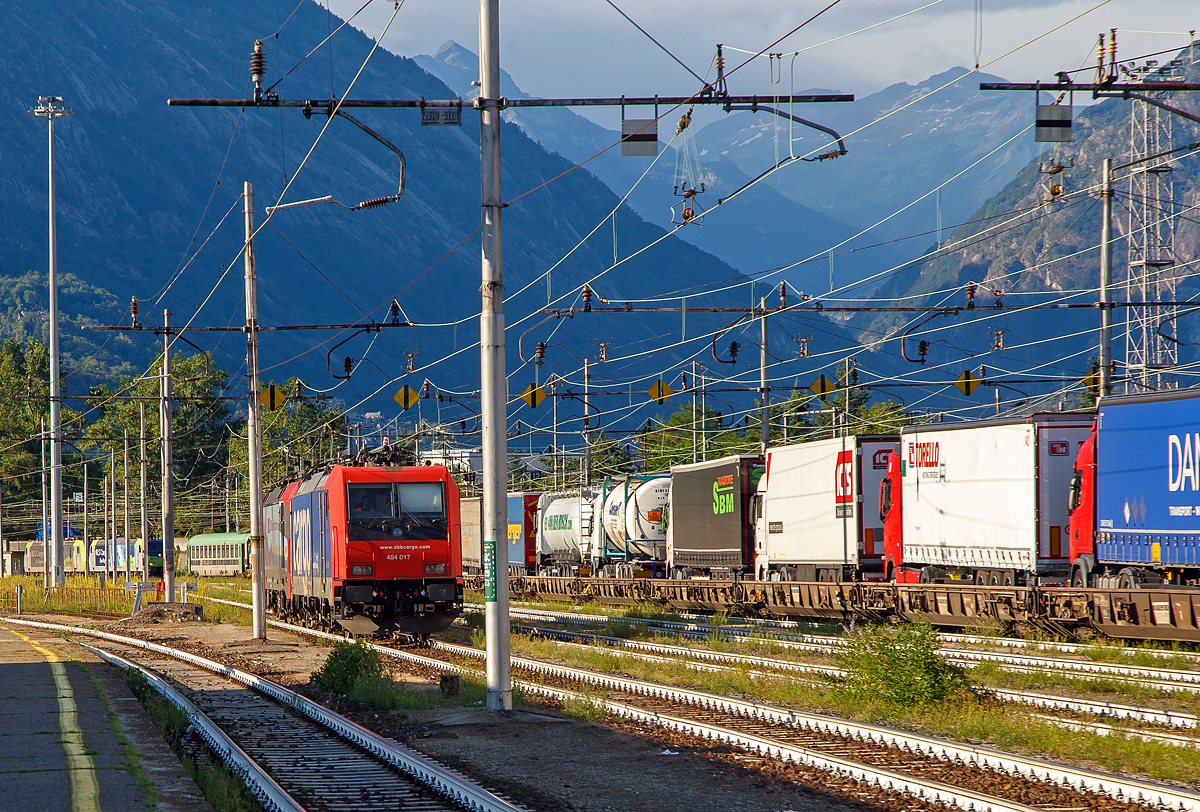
(85, 790)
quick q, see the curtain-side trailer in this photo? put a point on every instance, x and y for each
(710, 521)
(1136, 494)
(986, 502)
(810, 519)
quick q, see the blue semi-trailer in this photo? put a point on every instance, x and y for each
(1135, 496)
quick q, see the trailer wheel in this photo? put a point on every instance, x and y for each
(1127, 580)
(1007, 578)
(1078, 578)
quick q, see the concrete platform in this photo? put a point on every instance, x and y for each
(74, 738)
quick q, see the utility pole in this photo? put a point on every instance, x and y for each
(493, 381)
(587, 423)
(846, 398)
(554, 412)
(87, 546)
(126, 500)
(168, 476)
(50, 108)
(46, 569)
(695, 456)
(112, 486)
(764, 393)
(107, 554)
(145, 520)
(1106, 197)
(253, 428)
(703, 415)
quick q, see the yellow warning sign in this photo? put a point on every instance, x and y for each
(822, 387)
(967, 382)
(1092, 380)
(406, 397)
(660, 391)
(533, 395)
(271, 397)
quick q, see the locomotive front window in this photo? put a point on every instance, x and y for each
(407, 510)
(370, 502)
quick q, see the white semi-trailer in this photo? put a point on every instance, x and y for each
(987, 502)
(816, 517)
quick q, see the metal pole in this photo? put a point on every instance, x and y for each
(126, 501)
(703, 418)
(1106, 197)
(764, 393)
(87, 564)
(112, 485)
(5, 558)
(51, 107)
(694, 455)
(587, 423)
(846, 398)
(106, 527)
(253, 427)
(493, 381)
(46, 582)
(145, 520)
(168, 476)
(554, 409)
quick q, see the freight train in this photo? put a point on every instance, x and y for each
(1066, 520)
(372, 546)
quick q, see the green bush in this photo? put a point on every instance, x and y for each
(346, 666)
(899, 665)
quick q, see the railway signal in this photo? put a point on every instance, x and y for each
(822, 387)
(533, 395)
(406, 396)
(271, 397)
(967, 382)
(660, 391)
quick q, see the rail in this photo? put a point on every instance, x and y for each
(443, 780)
(269, 793)
(1115, 786)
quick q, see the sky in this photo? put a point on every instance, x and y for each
(586, 48)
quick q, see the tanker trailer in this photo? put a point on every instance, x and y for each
(635, 543)
(567, 523)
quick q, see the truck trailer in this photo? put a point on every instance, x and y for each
(981, 502)
(810, 522)
(710, 521)
(1135, 494)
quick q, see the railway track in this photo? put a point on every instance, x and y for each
(1165, 679)
(936, 770)
(762, 667)
(296, 755)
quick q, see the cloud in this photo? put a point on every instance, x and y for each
(584, 47)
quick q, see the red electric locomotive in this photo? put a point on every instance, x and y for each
(369, 547)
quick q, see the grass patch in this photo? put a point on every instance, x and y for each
(150, 794)
(899, 665)
(357, 672)
(591, 707)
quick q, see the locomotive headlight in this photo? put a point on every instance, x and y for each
(364, 569)
(435, 569)
(356, 570)
(368, 569)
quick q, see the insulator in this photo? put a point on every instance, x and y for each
(394, 311)
(922, 349)
(733, 351)
(133, 311)
(587, 298)
(970, 294)
(258, 68)
(517, 428)
(298, 388)
(539, 353)
(348, 365)
(425, 389)
(462, 426)
(783, 295)
(375, 202)
(307, 109)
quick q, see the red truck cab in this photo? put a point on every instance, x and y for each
(891, 514)
(1081, 530)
